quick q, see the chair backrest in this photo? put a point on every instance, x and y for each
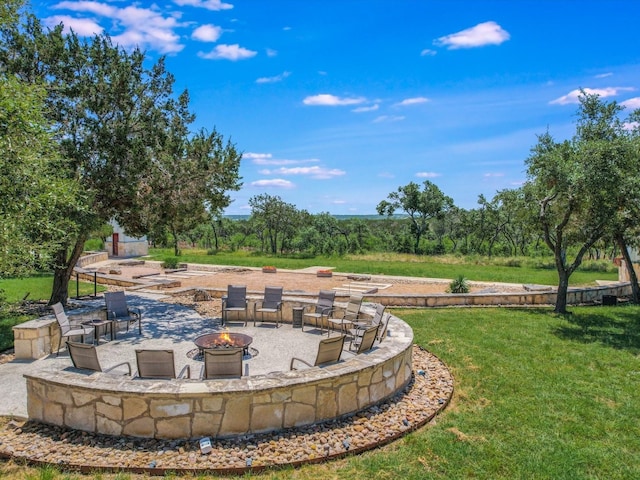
(116, 304)
(368, 337)
(382, 330)
(222, 363)
(61, 317)
(329, 350)
(353, 308)
(84, 356)
(272, 297)
(155, 364)
(325, 301)
(377, 317)
(236, 296)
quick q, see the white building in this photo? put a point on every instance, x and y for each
(119, 244)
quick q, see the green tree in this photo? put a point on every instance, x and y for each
(273, 219)
(575, 185)
(35, 199)
(112, 118)
(420, 205)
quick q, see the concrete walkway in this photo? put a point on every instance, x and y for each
(168, 326)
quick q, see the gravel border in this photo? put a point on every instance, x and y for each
(428, 393)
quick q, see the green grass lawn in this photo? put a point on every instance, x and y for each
(39, 288)
(478, 269)
(537, 396)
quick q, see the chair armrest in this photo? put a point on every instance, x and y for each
(185, 370)
(119, 365)
(300, 360)
(78, 324)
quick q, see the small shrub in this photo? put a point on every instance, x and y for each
(170, 262)
(459, 285)
(212, 251)
(597, 266)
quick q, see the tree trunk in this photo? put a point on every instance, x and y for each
(563, 287)
(633, 278)
(215, 235)
(64, 269)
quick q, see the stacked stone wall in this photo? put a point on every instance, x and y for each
(121, 405)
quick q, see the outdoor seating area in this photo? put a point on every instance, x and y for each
(180, 358)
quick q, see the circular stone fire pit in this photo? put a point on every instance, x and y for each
(224, 340)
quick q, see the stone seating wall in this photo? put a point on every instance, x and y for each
(120, 405)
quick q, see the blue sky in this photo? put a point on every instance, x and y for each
(335, 104)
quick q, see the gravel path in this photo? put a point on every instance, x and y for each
(427, 394)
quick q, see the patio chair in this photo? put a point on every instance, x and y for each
(85, 356)
(364, 342)
(67, 327)
(271, 304)
(350, 315)
(222, 363)
(159, 364)
(235, 301)
(329, 351)
(382, 328)
(119, 312)
(359, 327)
(321, 312)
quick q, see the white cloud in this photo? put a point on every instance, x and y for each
(487, 33)
(207, 33)
(427, 175)
(428, 53)
(604, 75)
(319, 173)
(88, 6)
(331, 100)
(339, 202)
(412, 101)
(631, 103)
(85, 27)
(275, 79)
(271, 52)
(213, 5)
(141, 27)
(493, 175)
(574, 95)
(388, 118)
(256, 156)
(631, 125)
(267, 159)
(372, 108)
(228, 52)
(276, 183)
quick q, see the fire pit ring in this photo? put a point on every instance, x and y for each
(224, 340)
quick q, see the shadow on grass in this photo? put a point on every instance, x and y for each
(616, 327)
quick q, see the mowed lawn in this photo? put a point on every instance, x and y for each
(537, 396)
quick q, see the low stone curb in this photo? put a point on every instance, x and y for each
(427, 394)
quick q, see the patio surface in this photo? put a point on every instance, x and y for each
(169, 326)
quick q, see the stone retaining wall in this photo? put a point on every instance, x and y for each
(119, 405)
(575, 296)
(38, 338)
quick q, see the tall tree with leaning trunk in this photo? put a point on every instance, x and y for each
(576, 186)
(112, 118)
